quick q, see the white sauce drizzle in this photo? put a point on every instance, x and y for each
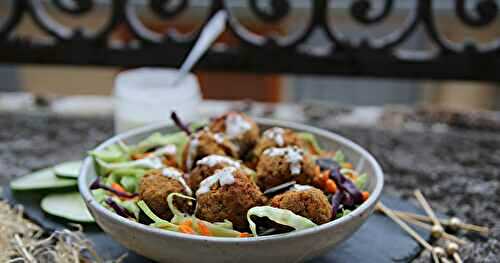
(300, 187)
(213, 160)
(219, 138)
(223, 176)
(169, 149)
(236, 125)
(275, 134)
(193, 144)
(176, 175)
(293, 155)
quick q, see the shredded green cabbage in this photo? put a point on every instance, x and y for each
(361, 181)
(111, 154)
(179, 139)
(339, 157)
(280, 216)
(311, 139)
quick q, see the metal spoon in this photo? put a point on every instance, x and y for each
(208, 35)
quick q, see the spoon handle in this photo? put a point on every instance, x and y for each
(208, 35)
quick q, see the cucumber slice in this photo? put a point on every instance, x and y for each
(42, 179)
(68, 169)
(69, 206)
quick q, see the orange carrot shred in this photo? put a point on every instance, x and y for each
(243, 234)
(365, 195)
(347, 165)
(118, 187)
(186, 229)
(331, 187)
(204, 229)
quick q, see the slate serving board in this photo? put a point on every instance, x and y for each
(378, 240)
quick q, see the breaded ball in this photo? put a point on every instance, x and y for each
(204, 143)
(239, 128)
(228, 194)
(308, 202)
(207, 167)
(154, 188)
(272, 137)
(280, 165)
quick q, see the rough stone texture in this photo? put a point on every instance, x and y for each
(458, 170)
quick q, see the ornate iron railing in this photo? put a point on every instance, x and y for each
(256, 53)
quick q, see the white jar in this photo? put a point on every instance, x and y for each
(144, 96)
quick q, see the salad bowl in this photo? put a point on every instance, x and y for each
(295, 246)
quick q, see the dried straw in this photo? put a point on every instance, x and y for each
(22, 241)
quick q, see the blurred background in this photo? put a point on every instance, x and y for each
(67, 80)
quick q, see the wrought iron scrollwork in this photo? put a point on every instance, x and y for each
(255, 52)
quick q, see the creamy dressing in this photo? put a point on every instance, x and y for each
(223, 176)
(293, 155)
(193, 144)
(219, 138)
(176, 175)
(275, 134)
(169, 149)
(213, 160)
(236, 125)
(300, 187)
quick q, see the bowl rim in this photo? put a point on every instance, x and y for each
(358, 212)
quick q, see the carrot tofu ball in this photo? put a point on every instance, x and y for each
(227, 194)
(156, 185)
(276, 137)
(204, 143)
(207, 167)
(239, 128)
(280, 165)
(305, 201)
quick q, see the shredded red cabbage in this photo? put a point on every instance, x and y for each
(179, 123)
(98, 185)
(342, 182)
(336, 202)
(119, 209)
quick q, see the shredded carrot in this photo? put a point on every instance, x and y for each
(331, 187)
(170, 162)
(365, 195)
(186, 229)
(325, 175)
(139, 156)
(204, 229)
(347, 165)
(118, 187)
(243, 234)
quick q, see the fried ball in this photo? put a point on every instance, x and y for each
(204, 143)
(229, 201)
(280, 165)
(308, 202)
(154, 188)
(207, 166)
(239, 128)
(272, 137)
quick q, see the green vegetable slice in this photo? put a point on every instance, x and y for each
(310, 139)
(69, 206)
(158, 222)
(68, 169)
(361, 181)
(280, 216)
(42, 179)
(146, 163)
(339, 157)
(111, 154)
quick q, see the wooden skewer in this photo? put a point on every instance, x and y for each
(453, 222)
(408, 229)
(445, 235)
(452, 250)
(437, 229)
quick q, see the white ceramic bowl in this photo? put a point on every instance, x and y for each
(297, 246)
